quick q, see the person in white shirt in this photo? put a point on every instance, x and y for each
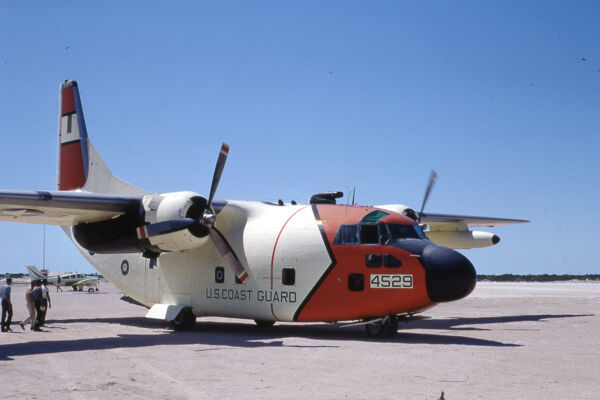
(45, 301)
(30, 307)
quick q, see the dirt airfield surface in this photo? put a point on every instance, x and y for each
(505, 341)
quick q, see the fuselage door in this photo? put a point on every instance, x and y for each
(152, 280)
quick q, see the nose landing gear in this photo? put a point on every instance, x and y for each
(385, 327)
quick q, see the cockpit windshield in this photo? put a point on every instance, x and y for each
(398, 231)
(370, 233)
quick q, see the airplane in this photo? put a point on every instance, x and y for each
(76, 281)
(183, 255)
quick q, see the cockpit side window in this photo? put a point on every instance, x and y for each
(369, 234)
(347, 234)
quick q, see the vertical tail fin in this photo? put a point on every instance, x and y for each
(34, 273)
(72, 138)
(79, 164)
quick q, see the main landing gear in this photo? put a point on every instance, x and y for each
(185, 320)
(385, 327)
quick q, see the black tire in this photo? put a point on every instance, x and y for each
(374, 330)
(185, 321)
(261, 323)
(383, 329)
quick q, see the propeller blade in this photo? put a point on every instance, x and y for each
(218, 172)
(228, 254)
(432, 180)
(161, 228)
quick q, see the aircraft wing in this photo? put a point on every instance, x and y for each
(62, 207)
(441, 222)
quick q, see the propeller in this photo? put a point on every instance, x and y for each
(207, 219)
(228, 254)
(432, 180)
(209, 215)
(161, 228)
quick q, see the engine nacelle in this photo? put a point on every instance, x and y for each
(119, 235)
(463, 239)
(174, 206)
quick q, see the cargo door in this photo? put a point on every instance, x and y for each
(152, 280)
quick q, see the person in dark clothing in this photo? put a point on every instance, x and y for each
(46, 303)
(6, 305)
(39, 308)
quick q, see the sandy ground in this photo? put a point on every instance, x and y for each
(505, 341)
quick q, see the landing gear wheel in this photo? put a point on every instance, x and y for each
(261, 323)
(185, 320)
(90, 290)
(386, 328)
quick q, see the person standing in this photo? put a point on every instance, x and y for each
(6, 305)
(37, 302)
(30, 307)
(45, 301)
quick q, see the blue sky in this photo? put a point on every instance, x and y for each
(501, 99)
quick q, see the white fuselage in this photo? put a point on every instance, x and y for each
(273, 237)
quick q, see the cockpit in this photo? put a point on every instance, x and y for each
(371, 230)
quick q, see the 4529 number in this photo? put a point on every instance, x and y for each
(391, 281)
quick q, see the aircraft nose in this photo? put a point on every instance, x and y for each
(449, 274)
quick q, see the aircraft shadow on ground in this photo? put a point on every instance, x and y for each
(228, 335)
(469, 324)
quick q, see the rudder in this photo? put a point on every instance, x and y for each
(72, 139)
(34, 273)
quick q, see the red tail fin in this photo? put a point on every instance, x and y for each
(72, 139)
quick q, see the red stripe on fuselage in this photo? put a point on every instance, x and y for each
(72, 173)
(333, 301)
(68, 101)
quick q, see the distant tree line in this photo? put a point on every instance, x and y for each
(13, 275)
(537, 278)
(18, 275)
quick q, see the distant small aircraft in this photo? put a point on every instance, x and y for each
(76, 281)
(184, 255)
